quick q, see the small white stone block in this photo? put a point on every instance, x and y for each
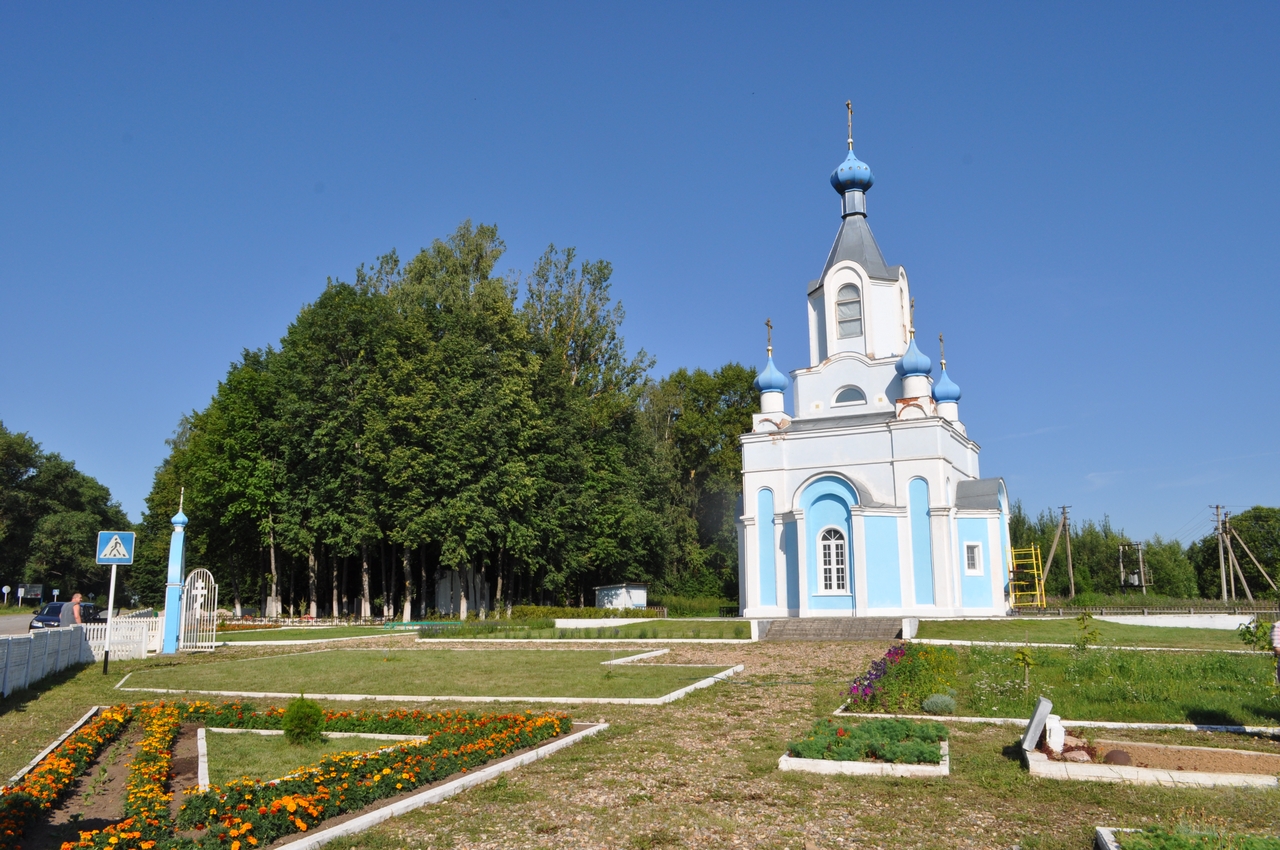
(1054, 734)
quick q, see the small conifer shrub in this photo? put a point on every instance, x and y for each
(303, 721)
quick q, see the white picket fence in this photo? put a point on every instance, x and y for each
(132, 636)
(26, 659)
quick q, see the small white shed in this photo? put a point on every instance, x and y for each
(626, 595)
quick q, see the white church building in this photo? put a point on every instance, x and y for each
(866, 500)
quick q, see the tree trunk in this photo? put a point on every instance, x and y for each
(333, 583)
(292, 596)
(313, 568)
(343, 585)
(406, 613)
(497, 597)
(366, 607)
(235, 588)
(273, 601)
(422, 564)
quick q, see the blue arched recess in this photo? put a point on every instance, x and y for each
(921, 541)
(767, 548)
(826, 504)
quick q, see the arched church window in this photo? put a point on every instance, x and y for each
(834, 570)
(851, 395)
(849, 311)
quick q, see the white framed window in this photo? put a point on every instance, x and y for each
(849, 395)
(833, 561)
(849, 311)
(973, 559)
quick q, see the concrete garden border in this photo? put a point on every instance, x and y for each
(1042, 766)
(1022, 644)
(1268, 731)
(869, 768)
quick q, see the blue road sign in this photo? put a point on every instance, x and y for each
(115, 547)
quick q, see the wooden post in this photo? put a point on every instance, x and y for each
(1222, 561)
(1142, 571)
(1071, 572)
(1251, 557)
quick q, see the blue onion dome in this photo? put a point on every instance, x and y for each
(945, 389)
(853, 173)
(913, 362)
(179, 518)
(770, 380)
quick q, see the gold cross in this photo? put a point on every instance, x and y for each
(768, 323)
(942, 351)
(848, 104)
(913, 318)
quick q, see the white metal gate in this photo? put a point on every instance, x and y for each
(199, 605)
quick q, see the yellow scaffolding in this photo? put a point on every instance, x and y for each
(1026, 578)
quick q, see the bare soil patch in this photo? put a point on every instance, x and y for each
(96, 799)
(1206, 759)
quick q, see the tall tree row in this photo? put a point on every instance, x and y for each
(50, 515)
(435, 437)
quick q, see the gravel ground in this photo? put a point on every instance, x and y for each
(702, 772)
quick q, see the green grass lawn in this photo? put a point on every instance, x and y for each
(727, 629)
(505, 673)
(306, 633)
(1065, 631)
(1181, 687)
(235, 756)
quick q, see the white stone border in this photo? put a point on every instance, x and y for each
(309, 841)
(731, 641)
(1040, 765)
(202, 760)
(304, 641)
(1104, 837)
(1018, 644)
(13, 780)
(662, 700)
(869, 768)
(1271, 731)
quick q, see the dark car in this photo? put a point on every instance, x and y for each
(50, 616)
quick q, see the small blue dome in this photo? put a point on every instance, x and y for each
(179, 518)
(853, 173)
(945, 389)
(770, 380)
(913, 362)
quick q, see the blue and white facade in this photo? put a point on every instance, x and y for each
(866, 501)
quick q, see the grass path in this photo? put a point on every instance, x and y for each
(432, 672)
(233, 756)
(1023, 630)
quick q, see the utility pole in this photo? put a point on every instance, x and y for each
(1222, 560)
(1142, 570)
(1066, 528)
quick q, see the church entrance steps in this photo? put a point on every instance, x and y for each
(832, 629)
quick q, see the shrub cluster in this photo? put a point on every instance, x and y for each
(303, 722)
(551, 612)
(891, 740)
(1163, 838)
(904, 678)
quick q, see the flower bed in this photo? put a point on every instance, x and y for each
(247, 812)
(1179, 838)
(40, 789)
(904, 678)
(252, 811)
(888, 740)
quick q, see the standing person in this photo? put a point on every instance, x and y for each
(70, 613)
(1275, 646)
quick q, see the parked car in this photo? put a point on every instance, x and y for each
(50, 615)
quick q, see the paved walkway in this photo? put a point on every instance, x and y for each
(15, 624)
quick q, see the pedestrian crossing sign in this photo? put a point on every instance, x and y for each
(115, 547)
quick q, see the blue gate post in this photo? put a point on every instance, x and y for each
(173, 588)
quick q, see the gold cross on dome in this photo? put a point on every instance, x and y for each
(848, 104)
(768, 323)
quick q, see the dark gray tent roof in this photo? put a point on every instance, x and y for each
(855, 242)
(979, 494)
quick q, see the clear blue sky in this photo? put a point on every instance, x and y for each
(1084, 196)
